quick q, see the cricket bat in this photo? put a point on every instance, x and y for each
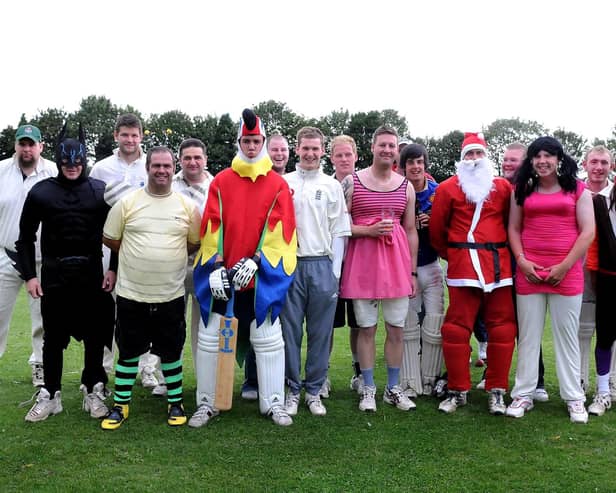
(225, 369)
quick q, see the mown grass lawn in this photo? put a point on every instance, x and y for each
(343, 451)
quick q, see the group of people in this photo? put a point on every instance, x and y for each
(124, 244)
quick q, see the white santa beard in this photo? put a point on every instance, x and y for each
(475, 178)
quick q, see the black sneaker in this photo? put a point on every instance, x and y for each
(176, 415)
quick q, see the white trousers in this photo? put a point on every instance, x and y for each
(10, 284)
(564, 314)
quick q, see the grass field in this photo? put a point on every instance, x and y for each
(343, 451)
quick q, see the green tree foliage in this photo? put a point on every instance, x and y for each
(443, 154)
(168, 129)
(574, 144)
(503, 132)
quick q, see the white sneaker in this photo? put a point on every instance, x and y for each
(519, 407)
(496, 402)
(160, 390)
(94, 402)
(280, 416)
(577, 412)
(428, 388)
(202, 416)
(148, 379)
(45, 406)
(38, 375)
(367, 401)
(396, 397)
(291, 403)
(315, 405)
(325, 389)
(408, 391)
(250, 394)
(600, 404)
(612, 388)
(482, 384)
(357, 382)
(541, 395)
(453, 400)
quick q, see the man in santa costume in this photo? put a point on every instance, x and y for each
(468, 228)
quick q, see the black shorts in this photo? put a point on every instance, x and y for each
(156, 327)
(339, 318)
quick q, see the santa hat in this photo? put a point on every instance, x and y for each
(250, 124)
(471, 142)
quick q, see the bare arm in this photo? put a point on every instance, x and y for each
(585, 217)
(192, 247)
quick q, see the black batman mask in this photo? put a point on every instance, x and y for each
(71, 153)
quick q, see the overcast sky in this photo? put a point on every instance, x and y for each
(445, 65)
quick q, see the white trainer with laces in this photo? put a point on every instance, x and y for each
(396, 397)
(600, 404)
(496, 402)
(148, 378)
(94, 402)
(45, 406)
(367, 401)
(291, 403)
(453, 400)
(541, 395)
(315, 405)
(38, 375)
(325, 389)
(577, 412)
(357, 382)
(202, 416)
(280, 416)
(519, 406)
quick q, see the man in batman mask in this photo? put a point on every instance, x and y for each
(75, 295)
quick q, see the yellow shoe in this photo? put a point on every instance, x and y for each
(115, 418)
(176, 415)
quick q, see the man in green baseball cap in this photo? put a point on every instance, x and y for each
(28, 132)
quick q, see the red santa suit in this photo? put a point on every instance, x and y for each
(468, 228)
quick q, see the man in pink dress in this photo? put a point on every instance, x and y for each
(468, 228)
(381, 263)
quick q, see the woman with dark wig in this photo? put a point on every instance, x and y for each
(551, 225)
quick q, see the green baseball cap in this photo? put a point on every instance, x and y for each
(28, 132)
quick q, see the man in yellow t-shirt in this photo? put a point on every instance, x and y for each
(153, 229)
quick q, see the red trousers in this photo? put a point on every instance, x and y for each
(499, 318)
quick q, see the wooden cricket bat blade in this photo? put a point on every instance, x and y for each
(225, 369)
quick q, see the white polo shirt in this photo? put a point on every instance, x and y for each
(320, 211)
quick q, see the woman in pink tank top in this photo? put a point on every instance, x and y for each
(551, 225)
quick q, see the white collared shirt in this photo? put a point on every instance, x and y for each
(13, 191)
(320, 211)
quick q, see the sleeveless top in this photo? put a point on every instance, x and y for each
(549, 230)
(377, 268)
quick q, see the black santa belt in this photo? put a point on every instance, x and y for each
(492, 247)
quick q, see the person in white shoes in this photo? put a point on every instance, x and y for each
(322, 223)
(380, 263)
(123, 172)
(598, 163)
(468, 228)
(422, 360)
(248, 252)
(601, 263)
(551, 225)
(75, 295)
(18, 174)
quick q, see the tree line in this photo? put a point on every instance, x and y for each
(98, 115)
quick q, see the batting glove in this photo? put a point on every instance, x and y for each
(219, 283)
(244, 270)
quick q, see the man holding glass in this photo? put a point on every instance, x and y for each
(381, 263)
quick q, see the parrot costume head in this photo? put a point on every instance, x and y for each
(261, 164)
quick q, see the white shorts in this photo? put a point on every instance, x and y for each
(394, 311)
